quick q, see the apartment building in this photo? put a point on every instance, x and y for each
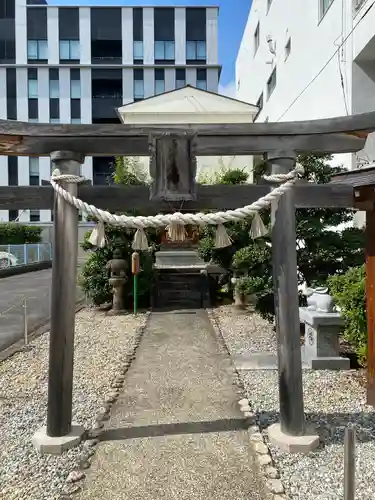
(310, 59)
(65, 64)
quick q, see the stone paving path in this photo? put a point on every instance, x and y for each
(176, 431)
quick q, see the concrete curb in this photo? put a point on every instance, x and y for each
(262, 451)
(28, 268)
(91, 437)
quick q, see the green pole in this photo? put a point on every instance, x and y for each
(135, 297)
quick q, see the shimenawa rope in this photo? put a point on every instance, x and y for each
(163, 220)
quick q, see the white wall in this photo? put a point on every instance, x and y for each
(313, 42)
(317, 80)
(346, 85)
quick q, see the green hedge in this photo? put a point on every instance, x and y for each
(13, 233)
(94, 276)
(349, 292)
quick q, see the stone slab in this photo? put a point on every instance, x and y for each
(292, 444)
(47, 445)
(332, 363)
(315, 318)
(259, 361)
(268, 361)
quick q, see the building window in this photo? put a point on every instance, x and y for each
(34, 215)
(196, 23)
(75, 108)
(256, 38)
(138, 51)
(196, 51)
(11, 93)
(180, 78)
(12, 171)
(69, 23)
(37, 50)
(260, 102)
(138, 24)
(33, 88)
(202, 78)
(69, 50)
(7, 51)
(271, 83)
(54, 89)
(75, 89)
(75, 83)
(106, 35)
(324, 6)
(34, 171)
(13, 215)
(288, 48)
(54, 85)
(164, 51)
(139, 88)
(159, 81)
(7, 9)
(54, 110)
(33, 109)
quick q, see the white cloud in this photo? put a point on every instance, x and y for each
(228, 90)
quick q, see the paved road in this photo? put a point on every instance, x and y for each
(36, 287)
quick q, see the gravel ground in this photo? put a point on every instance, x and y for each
(100, 345)
(333, 400)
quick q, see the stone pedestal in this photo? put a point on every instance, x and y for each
(321, 350)
(57, 445)
(117, 285)
(293, 444)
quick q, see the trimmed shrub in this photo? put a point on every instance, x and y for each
(94, 276)
(349, 293)
(13, 233)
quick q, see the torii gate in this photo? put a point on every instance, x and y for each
(67, 145)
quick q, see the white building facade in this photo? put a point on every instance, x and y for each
(310, 59)
(79, 64)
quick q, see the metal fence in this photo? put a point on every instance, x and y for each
(20, 255)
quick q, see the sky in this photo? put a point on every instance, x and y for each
(232, 20)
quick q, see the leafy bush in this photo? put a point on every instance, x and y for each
(94, 276)
(349, 293)
(13, 233)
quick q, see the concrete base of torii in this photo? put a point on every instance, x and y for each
(48, 445)
(292, 444)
